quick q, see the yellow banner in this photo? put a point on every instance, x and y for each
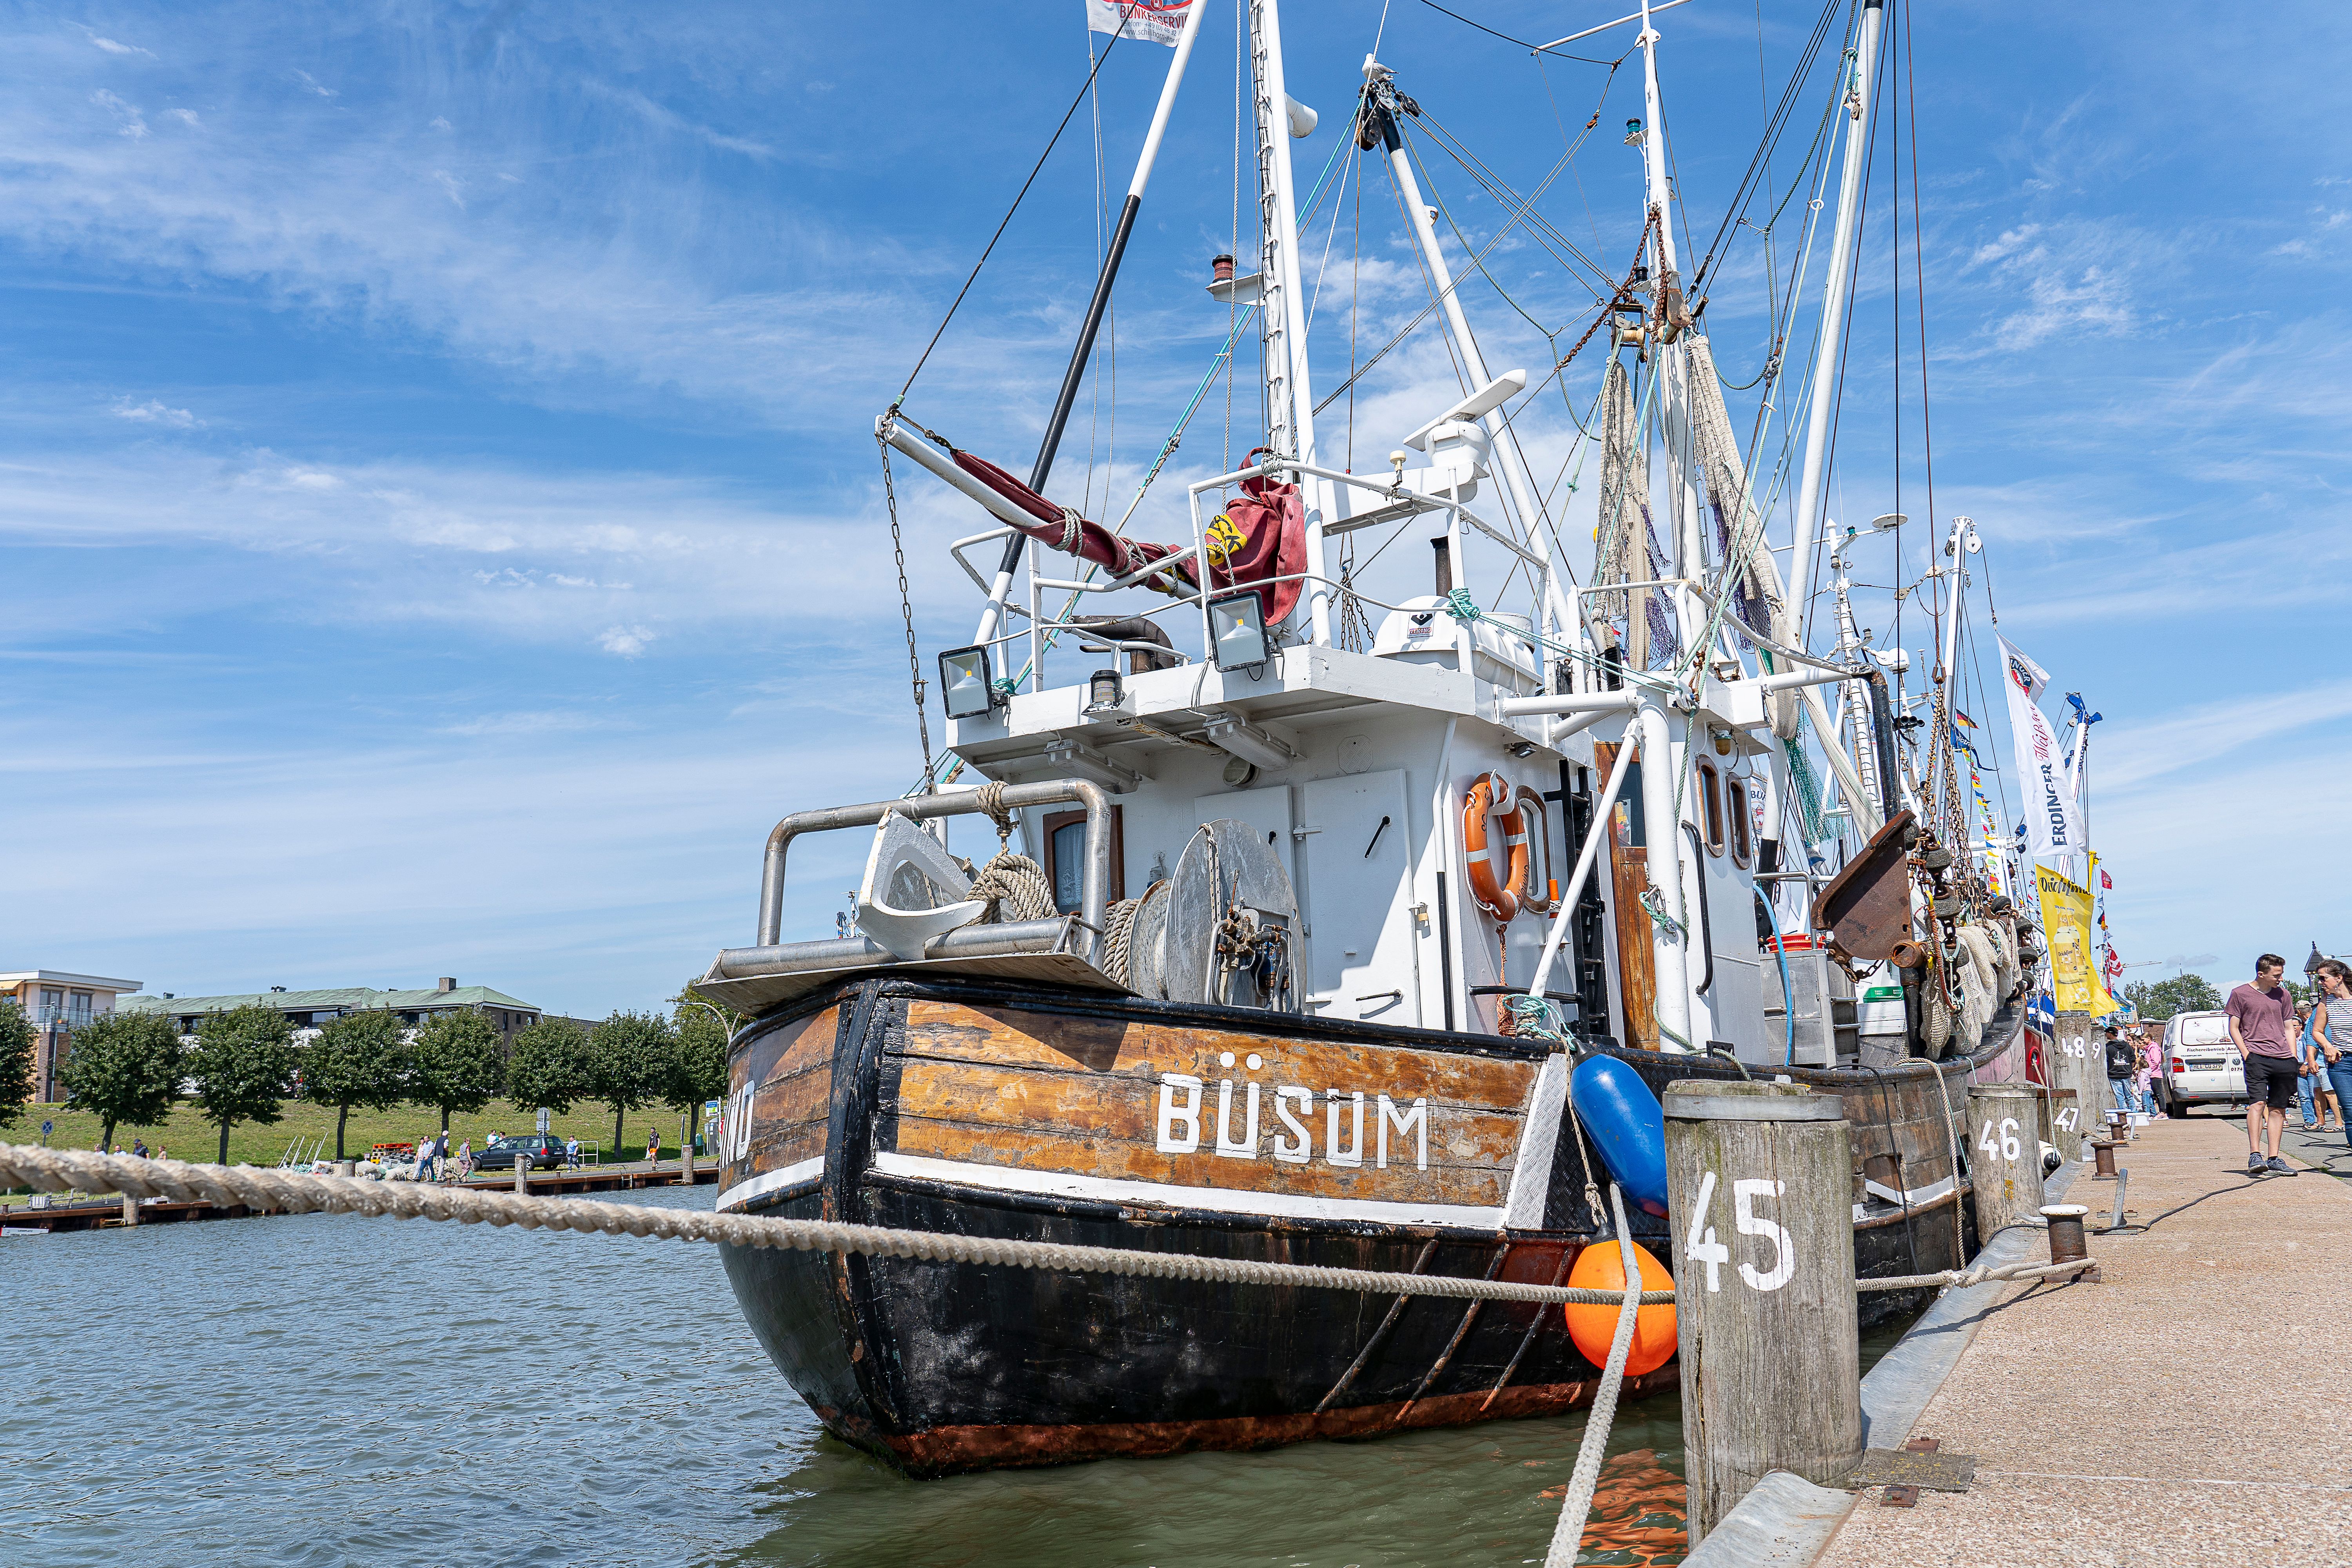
(2067, 921)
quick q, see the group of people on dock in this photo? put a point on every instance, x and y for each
(2291, 1052)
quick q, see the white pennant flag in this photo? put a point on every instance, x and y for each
(2053, 818)
(1150, 21)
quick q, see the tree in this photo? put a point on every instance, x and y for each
(454, 1063)
(16, 1044)
(698, 1060)
(244, 1066)
(629, 1060)
(126, 1068)
(2160, 999)
(549, 1066)
(359, 1059)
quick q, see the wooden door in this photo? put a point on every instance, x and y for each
(1628, 873)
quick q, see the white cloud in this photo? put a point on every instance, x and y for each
(453, 187)
(438, 123)
(547, 722)
(153, 412)
(184, 116)
(627, 641)
(127, 118)
(112, 48)
(312, 83)
(655, 114)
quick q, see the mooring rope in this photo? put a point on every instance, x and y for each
(58, 1170)
(250, 1186)
(1568, 1535)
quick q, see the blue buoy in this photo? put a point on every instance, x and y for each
(1628, 1126)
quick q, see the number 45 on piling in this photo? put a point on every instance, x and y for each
(1701, 1247)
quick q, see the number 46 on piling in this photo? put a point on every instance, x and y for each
(1701, 1247)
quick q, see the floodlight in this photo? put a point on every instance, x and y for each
(965, 689)
(1237, 632)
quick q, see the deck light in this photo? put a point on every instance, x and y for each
(964, 688)
(1103, 689)
(1237, 632)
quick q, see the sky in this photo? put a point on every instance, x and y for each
(441, 517)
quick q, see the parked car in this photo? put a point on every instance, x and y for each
(2201, 1067)
(544, 1153)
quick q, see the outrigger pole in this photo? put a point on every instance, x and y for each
(991, 615)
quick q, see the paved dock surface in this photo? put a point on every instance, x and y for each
(2193, 1407)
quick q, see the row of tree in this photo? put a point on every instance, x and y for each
(130, 1068)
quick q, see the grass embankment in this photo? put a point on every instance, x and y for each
(186, 1135)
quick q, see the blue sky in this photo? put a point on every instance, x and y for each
(439, 507)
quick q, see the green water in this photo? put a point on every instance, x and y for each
(331, 1390)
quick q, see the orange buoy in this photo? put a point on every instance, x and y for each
(1598, 1268)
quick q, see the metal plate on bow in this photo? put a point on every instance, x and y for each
(912, 890)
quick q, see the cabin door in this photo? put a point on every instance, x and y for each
(1352, 848)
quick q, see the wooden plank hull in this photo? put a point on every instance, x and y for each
(983, 1108)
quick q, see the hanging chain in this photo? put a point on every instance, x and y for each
(906, 602)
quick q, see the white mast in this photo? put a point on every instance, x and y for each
(1865, 67)
(1662, 752)
(1282, 311)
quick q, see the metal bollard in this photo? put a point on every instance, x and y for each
(2007, 1166)
(2067, 1243)
(2104, 1150)
(1761, 1181)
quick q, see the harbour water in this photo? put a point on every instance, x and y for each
(320, 1390)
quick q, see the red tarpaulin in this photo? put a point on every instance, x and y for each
(1269, 520)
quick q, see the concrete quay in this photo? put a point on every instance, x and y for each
(2193, 1405)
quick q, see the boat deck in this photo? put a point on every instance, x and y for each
(2189, 1407)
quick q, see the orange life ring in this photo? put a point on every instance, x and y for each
(1537, 897)
(1491, 793)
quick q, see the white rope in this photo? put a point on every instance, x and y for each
(60, 1170)
(1567, 1536)
(253, 1187)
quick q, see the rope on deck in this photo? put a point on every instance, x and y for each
(1959, 1278)
(60, 1170)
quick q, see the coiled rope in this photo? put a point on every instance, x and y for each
(1015, 886)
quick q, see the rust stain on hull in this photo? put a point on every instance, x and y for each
(944, 1450)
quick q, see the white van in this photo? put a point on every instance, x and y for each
(2200, 1065)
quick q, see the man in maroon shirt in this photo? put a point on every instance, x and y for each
(2261, 1024)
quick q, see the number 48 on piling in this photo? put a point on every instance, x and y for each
(1701, 1246)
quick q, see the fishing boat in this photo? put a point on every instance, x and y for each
(1333, 895)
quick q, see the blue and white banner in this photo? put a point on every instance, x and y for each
(2053, 818)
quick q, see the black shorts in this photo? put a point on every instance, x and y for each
(2270, 1080)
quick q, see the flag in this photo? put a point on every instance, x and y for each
(1963, 719)
(2066, 921)
(2106, 883)
(1151, 21)
(2052, 814)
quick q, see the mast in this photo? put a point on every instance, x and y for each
(1663, 758)
(1282, 309)
(1512, 462)
(1835, 291)
(992, 615)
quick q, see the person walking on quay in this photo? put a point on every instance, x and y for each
(2144, 1080)
(2123, 1067)
(652, 1147)
(2331, 1037)
(2261, 1013)
(2300, 1038)
(465, 1159)
(572, 1153)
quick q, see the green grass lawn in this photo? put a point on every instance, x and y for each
(186, 1135)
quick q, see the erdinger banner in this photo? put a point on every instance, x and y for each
(2053, 819)
(1150, 21)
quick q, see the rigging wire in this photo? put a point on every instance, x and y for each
(956, 304)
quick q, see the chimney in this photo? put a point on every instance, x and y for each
(444, 984)
(1444, 554)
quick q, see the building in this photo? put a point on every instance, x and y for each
(58, 1003)
(312, 1009)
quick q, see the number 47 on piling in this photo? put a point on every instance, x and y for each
(1701, 1247)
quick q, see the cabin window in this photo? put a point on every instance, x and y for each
(1065, 859)
(1710, 797)
(1739, 822)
